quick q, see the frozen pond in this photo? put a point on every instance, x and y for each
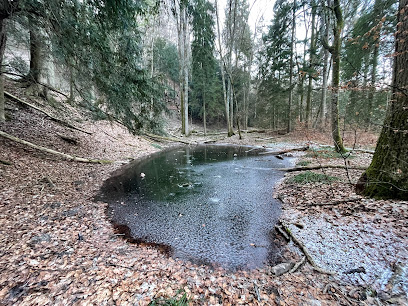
(210, 204)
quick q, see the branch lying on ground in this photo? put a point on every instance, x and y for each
(285, 151)
(335, 202)
(172, 139)
(47, 150)
(303, 168)
(9, 95)
(305, 251)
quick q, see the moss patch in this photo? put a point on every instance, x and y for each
(178, 300)
(312, 177)
(328, 153)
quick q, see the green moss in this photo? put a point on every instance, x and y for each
(327, 153)
(312, 177)
(303, 163)
(174, 301)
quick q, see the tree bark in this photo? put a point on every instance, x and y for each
(387, 176)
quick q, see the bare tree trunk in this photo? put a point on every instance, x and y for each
(374, 61)
(3, 39)
(185, 67)
(222, 67)
(204, 115)
(325, 72)
(289, 115)
(338, 141)
(311, 67)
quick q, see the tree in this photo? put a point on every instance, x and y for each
(7, 9)
(203, 61)
(387, 176)
(180, 12)
(335, 50)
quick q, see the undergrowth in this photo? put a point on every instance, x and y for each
(327, 153)
(303, 163)
(312, 177)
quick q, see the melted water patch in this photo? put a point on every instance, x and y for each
(211, 204)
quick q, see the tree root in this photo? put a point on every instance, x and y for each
(305, 251)
(47, 150)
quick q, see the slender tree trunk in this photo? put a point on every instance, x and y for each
(387, 176)
(222, 67)
(3, 39)
(311, 67)
(338, 141)
(325, 72)
(204, 115)
(374, 62)
(292, 43)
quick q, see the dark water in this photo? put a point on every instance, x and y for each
(210, 204)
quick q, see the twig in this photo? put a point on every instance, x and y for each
(297, 265)
(335, 202)
(305, 251)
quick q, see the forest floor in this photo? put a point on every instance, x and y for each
(58, 247)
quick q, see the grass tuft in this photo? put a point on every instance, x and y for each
(312, 177)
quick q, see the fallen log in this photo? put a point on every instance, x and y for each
(47, 150)
(305, 250)
(285, 151)
(303, 168)
(9, 95)
(171, 139)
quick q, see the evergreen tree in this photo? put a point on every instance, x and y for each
(203, 61)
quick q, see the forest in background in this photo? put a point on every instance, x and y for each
(317, 64)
